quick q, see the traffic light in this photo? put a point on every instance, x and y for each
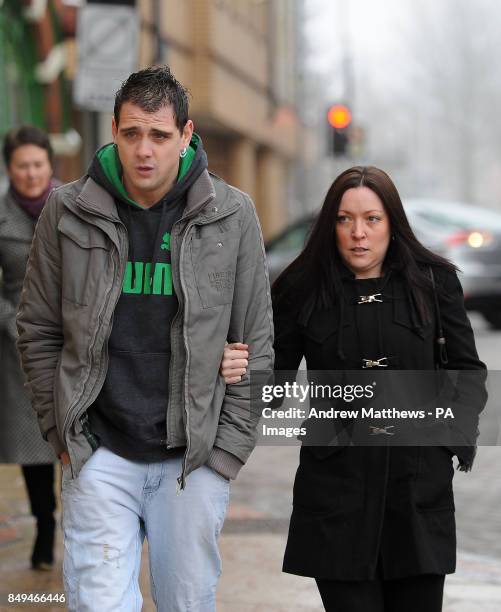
(338, 127)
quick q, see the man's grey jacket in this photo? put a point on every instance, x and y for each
(73, 282)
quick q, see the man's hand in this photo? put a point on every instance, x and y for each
(234, 362)
(64, 458)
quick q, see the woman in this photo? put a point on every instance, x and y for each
(28, 160)
(374, 525)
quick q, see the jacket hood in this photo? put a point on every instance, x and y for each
(106, 170)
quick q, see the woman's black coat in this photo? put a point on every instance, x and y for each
(359, 507)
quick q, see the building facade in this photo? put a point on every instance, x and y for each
(34, 39)
(238, 58)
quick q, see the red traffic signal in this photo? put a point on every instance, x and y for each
(338, 130)
(339, 116)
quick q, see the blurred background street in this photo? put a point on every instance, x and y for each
(413, 87)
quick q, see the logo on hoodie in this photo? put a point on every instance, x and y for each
(149, 278)
(165, 242)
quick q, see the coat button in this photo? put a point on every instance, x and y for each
(214, 209)
(219, 244)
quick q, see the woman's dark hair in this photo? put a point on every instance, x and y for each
(25, 135)
(152, 89)
(315, 273)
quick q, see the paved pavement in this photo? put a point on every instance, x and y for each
(254, 537)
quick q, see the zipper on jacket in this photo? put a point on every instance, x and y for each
(173, 352)
(72, 413)
(181, 481)
(168, 444)
(103, 357)
(75, 411)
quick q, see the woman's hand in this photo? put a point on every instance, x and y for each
(234, 363)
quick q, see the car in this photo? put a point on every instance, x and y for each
(469, 236)
(286, 245)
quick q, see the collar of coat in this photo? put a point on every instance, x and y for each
(208, 197)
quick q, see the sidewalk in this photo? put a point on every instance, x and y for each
(252, 544)
(251, 550)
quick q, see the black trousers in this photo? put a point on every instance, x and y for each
(39, 481)
(413, 594)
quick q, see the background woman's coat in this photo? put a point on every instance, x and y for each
(356, 508)
(20, 438)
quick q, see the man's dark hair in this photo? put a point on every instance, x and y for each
(25, 135)
(152, 89)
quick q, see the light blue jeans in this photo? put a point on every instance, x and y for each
(109, 509)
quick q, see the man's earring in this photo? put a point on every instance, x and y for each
(183, 152)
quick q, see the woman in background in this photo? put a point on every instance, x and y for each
(28, 159)
(374, 525)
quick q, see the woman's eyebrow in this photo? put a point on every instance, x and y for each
(349, 212)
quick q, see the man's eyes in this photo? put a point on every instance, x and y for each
(155, 136)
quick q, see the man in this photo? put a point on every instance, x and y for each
(138, 274)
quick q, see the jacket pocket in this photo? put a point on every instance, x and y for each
(321, 340)
(214, 261)
(328, 485)
(84, 259)
(84, 235)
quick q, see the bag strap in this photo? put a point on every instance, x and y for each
(442, 349)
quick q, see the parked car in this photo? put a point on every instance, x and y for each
(468, 235)
(286, 245)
